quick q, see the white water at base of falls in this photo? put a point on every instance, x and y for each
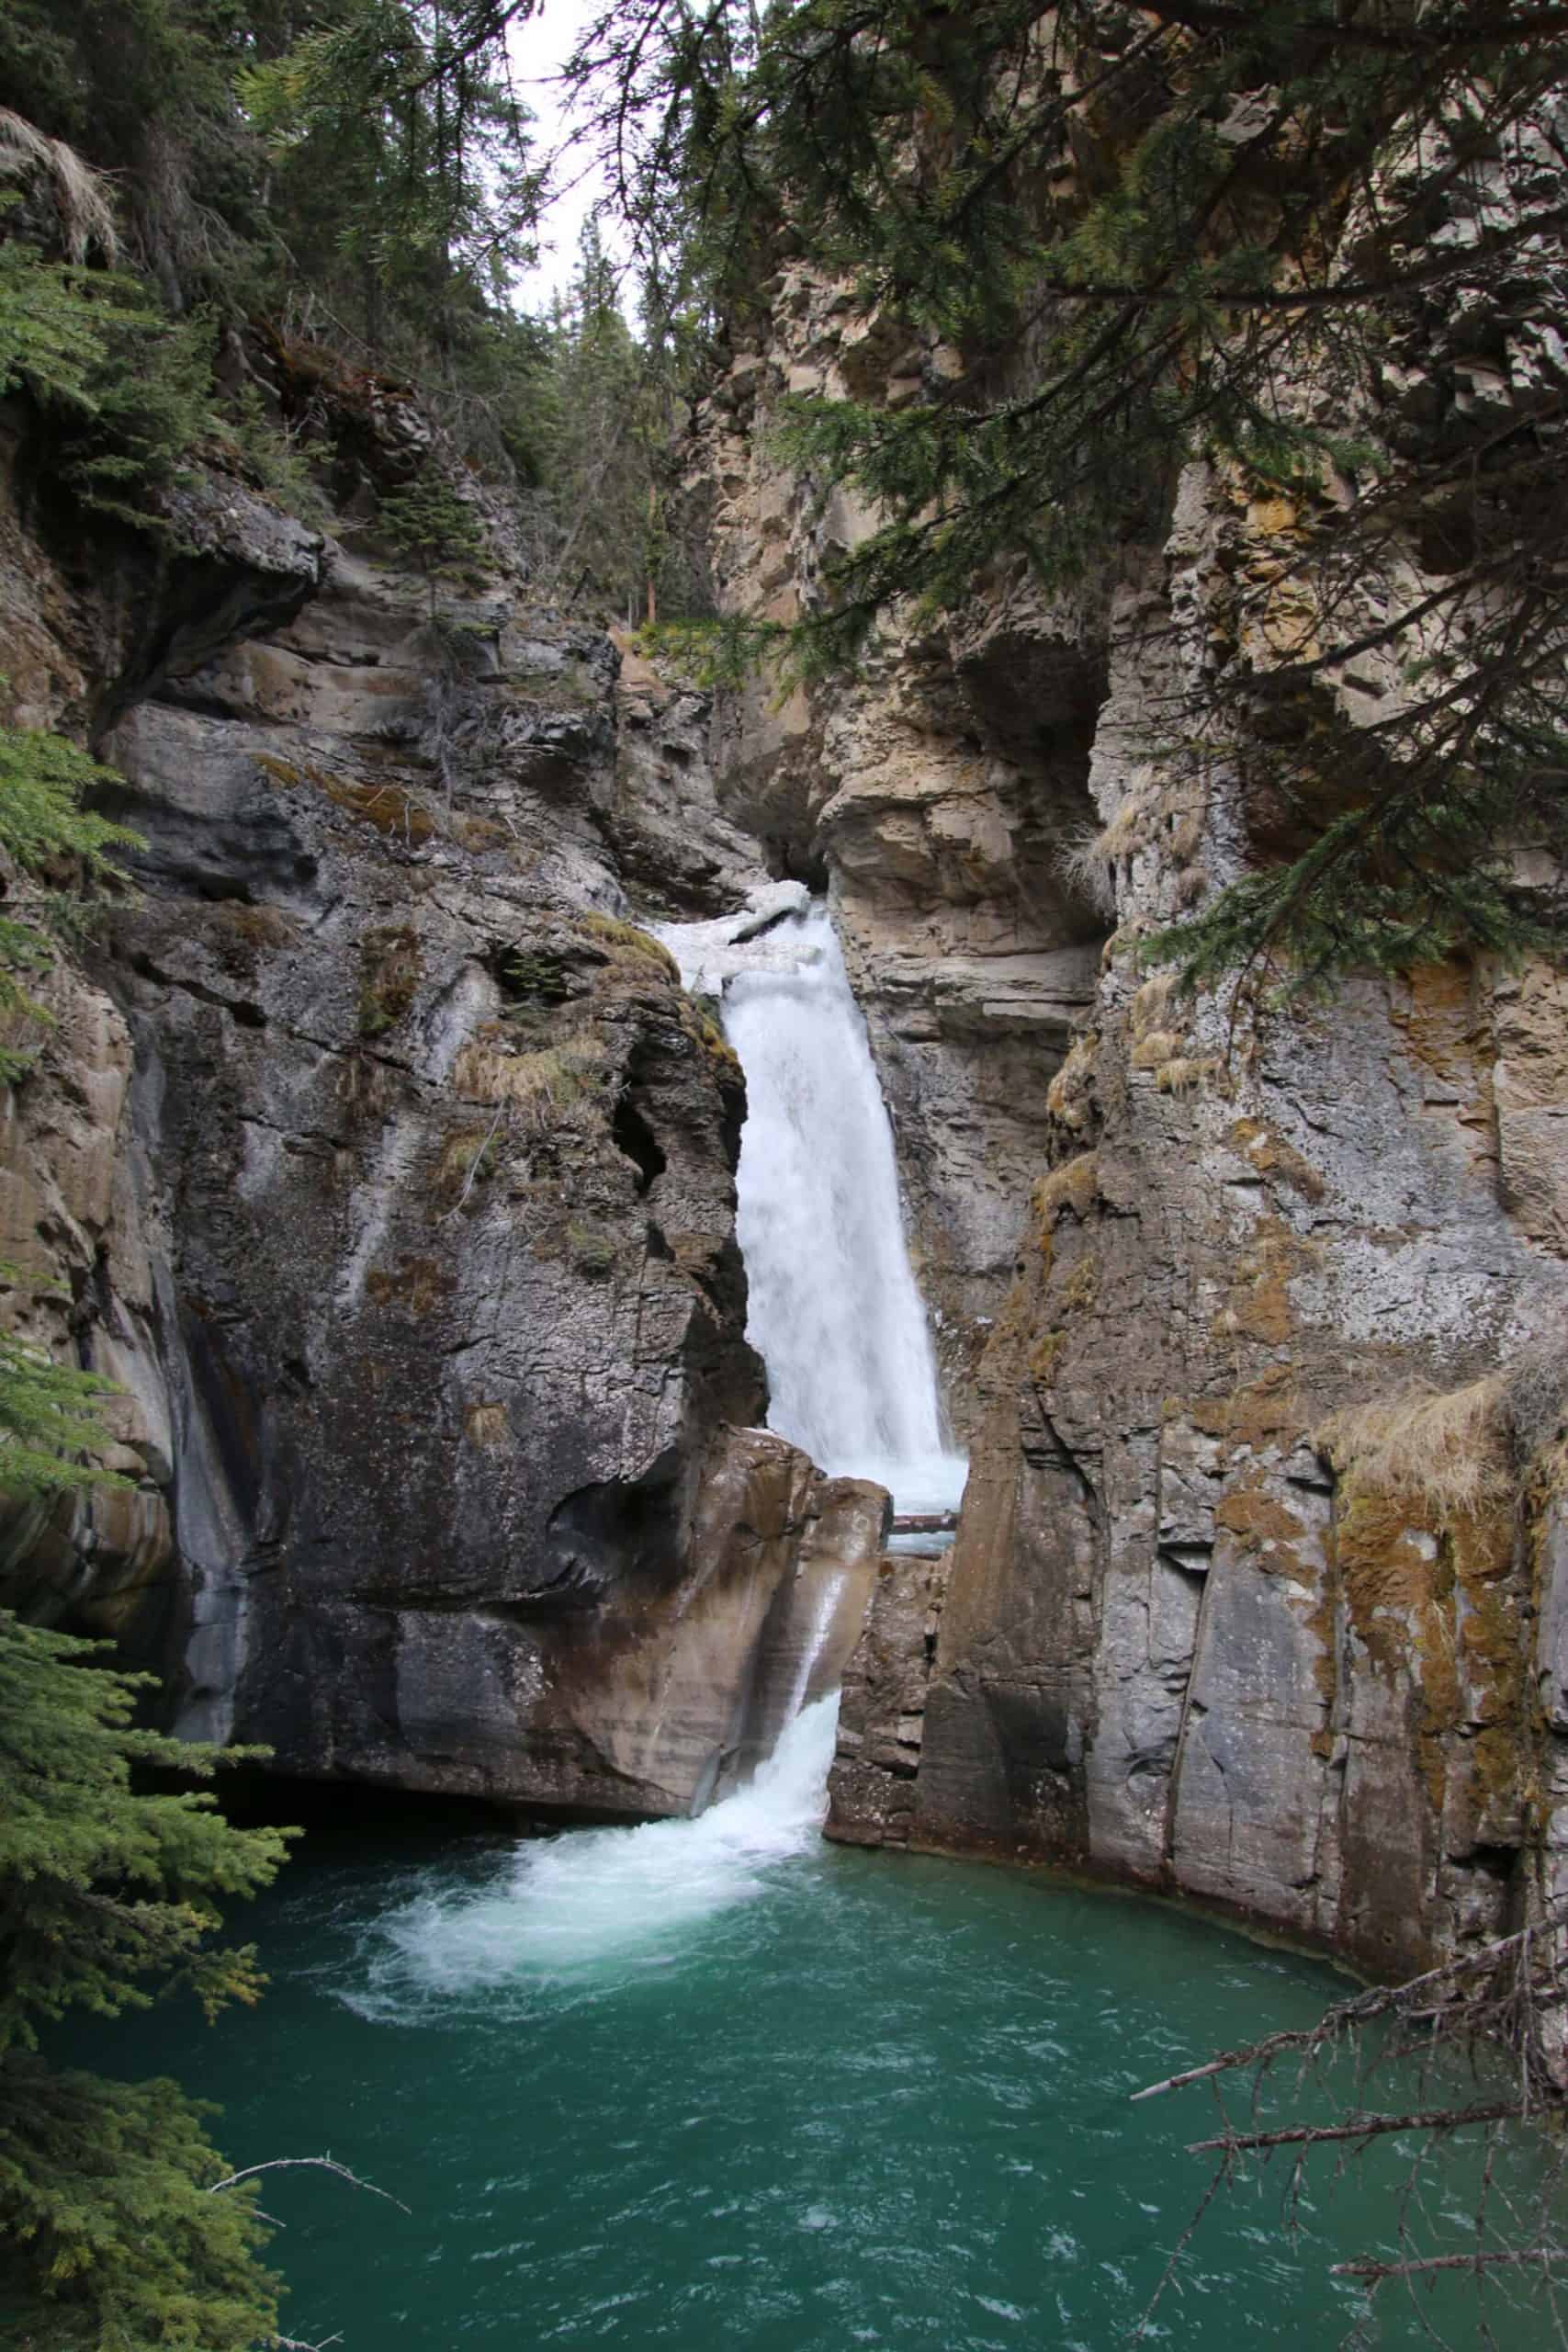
(839, 1323)
(568, 1906)
(835, 1313)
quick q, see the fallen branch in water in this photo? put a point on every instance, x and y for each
(1361, 2126)
(1490, 2021)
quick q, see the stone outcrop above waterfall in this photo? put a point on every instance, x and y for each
(1165, 1249)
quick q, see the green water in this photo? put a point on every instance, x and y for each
(729, 2090)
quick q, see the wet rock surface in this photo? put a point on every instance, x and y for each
(392, 1175)
(1163, 1247)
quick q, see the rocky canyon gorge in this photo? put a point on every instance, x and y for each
(378, 1157)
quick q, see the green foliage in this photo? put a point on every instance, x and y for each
(400, 163)
(42, 824)
(114, 2237)
(107, 1893)
(131, 390)
(145, 420)
(275, 461)
(432, 528)
(55, 323)
(608, 412)
(48, 1415)
(105, 1883)
(1413, 871)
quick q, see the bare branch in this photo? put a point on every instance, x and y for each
(320, 2163)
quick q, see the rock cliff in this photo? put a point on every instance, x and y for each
(1192, 1638)
(389, 1173)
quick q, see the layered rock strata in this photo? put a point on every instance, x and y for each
(391, 1173)
(1171, 1240)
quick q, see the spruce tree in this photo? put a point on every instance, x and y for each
(109, 2235)
(1140, 236)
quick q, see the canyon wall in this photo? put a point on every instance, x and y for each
(389, 1172)
(1168, 1239)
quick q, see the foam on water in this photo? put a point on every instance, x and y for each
(566, 1907)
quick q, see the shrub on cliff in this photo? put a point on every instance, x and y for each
(47, 839)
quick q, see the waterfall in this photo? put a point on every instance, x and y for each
(835, 1313)
(838, 1320)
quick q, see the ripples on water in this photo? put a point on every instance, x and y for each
(716, 2086)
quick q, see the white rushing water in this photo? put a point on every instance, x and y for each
(566, 1907)
(835, 1313)
(838, 1320)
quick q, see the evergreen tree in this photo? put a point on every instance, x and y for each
(609, 427)
(108, 2233)
(1141, 235)
(432, 528)
(43, 828)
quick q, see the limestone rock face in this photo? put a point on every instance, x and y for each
(391, 1175)
(1172, 1649)
(84, 627)
(1164, 1246)
(882, 1711)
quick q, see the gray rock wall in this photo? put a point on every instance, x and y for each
(1165, 1247)
(392, 1172)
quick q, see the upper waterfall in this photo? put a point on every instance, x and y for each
(835, 1313)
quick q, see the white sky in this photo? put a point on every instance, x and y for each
(538, 46)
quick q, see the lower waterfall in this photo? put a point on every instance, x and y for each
(712, 2083)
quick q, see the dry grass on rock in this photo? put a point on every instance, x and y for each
(1459, 1451)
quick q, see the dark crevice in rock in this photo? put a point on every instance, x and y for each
(249, 1014)
(613, 1531)
(637, 1140)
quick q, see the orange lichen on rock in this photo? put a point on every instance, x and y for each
(1266, 1530)
(1274, 1158)
(1259, 1303)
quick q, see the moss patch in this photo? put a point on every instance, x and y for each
(1070, 1098)
(1274, 1158)
(592, 1249)
(1259, 1303)
(388, 807)
(466, 1160)
(1266, 1530)
(416, 1284)
(487, 1426)
(260, 927)
(1265, 1412)
(539, 1084)
(1075, 1185)
(627, 943)
(391, 964)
